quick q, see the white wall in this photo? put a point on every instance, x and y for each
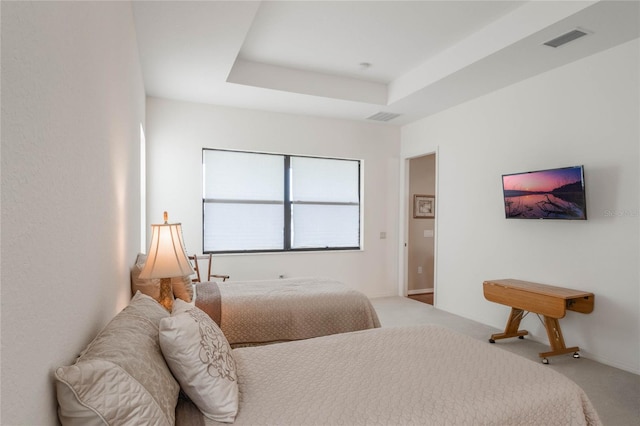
(584, 113)
(176, 134)
(72, 104)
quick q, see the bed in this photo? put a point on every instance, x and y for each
(423, 375)
(261, 312)
(139, 368)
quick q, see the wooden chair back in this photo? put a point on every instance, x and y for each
(196, 266)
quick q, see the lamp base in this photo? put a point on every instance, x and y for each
(166, 293)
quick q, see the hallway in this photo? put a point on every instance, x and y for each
(423, 297)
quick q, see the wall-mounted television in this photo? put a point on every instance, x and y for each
(545, 194)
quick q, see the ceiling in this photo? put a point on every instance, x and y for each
(354, 59)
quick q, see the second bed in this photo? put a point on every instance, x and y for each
(260, 312)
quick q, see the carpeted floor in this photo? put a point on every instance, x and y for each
(614, 393)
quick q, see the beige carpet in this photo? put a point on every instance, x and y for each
(614, 393)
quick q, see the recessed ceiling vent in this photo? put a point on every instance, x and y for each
(383, 116)
(566, 38)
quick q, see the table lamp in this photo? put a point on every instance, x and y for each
(166, 259)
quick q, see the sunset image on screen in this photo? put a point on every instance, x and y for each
(544, 181)
(546, 194)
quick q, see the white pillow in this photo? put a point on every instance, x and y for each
(200, 358)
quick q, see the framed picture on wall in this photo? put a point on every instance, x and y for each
(424, 206)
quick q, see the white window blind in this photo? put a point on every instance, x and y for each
(325, 197)
(269, 202)
(243, 201)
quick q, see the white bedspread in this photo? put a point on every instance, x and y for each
(424, 375)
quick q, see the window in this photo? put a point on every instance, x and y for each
(254, 202)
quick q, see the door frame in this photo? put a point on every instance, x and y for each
(405, 202)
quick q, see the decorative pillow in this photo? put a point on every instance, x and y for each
(150, 287)
(200, 358)
(182, 286)
(121, 377)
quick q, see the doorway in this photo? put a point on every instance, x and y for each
(421, 229)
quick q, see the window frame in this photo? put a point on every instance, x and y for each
(287, 206)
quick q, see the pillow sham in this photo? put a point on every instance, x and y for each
(182, 288)
(121, 377)
(200, 358)
(150, 287)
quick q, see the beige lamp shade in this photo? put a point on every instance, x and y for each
(166, 257)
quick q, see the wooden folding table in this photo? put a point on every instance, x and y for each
(550, 301)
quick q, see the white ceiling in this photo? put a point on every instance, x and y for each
(305, 57)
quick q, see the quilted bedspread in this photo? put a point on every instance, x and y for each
(423, 375)
(255, 312)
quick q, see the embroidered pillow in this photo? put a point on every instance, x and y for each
(200, 358)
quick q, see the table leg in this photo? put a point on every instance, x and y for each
(511, 330)
(556, 341)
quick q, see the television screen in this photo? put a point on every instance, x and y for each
(545, 194)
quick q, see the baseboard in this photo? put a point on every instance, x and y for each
(420, 291)
(381, 295)
(586, 354)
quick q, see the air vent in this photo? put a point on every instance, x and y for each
(565, 38)
(383, 116)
